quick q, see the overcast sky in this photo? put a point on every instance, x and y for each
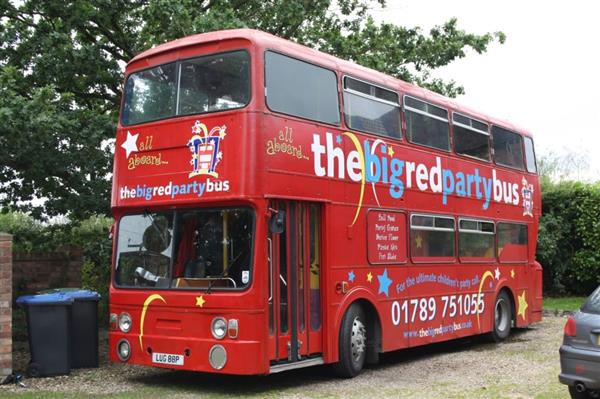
(543, 78)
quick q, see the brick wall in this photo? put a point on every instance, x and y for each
(5, 304)
(36, 272)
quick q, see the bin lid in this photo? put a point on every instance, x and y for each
(57, 290)
(75, 293)
(45, 299)
(82, 294)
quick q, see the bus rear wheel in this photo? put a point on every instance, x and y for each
(352, 343)
(502, 317)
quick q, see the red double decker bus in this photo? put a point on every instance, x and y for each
(277, 207)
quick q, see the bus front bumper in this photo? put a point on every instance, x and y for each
(226, 356)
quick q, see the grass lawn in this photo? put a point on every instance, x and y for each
(563, 303)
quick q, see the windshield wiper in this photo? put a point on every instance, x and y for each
(219, 277)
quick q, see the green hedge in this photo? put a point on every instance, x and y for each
(569, 237)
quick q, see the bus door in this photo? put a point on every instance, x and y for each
(295, 281)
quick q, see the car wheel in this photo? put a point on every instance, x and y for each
(502, 317)
(353, 343)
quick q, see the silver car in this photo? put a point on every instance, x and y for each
(580, 351)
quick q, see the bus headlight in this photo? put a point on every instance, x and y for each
(217, 357)
(125, 322)
(218, 327)
(123, 350)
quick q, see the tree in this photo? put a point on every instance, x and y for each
(62, 65)
(570, 165)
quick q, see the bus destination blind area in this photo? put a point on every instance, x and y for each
(386, 237)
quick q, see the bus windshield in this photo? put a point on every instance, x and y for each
(185, 249)
(204, 84)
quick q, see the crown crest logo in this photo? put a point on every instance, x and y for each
(204, 146)
(527, 193)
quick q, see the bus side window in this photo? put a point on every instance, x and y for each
(476, 241)
(471, 137)
(512, 242)
(426, 124)
(372, 109)
(298, 88)
(530, 155)
(432, 238)
(508, 148)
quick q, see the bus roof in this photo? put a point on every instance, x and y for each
(267, 40)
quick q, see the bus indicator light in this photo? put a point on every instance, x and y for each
(232, 328)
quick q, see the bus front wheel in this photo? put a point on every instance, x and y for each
(502, 317)
(353, 343)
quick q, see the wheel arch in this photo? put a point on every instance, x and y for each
(366, 300)
(511, 297)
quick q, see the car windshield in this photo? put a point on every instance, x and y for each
(592, 305)
(199, 85)
(194, 249)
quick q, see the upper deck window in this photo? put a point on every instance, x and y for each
(370, 108)
(205, 84)
(213, 83)
(508, 148)
(301, 89)
(530, 155)
(150, 94)
(471, 137)
(426, 124)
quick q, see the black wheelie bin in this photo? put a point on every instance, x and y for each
(49, 329)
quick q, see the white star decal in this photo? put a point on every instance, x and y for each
(497, 272)
(130, 144)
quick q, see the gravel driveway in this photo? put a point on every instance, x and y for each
(525, 366)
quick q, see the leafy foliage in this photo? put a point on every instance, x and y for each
(569, 237)
(91, 235)
(62, 65)
(31, 236)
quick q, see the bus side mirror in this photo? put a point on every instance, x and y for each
(277, 222)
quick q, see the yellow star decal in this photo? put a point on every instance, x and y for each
(390, 151)
(419, 241)
(522, 306)
(200, 301)
(512, 273)
(369, 277)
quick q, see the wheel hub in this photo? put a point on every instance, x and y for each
(359, 339)
(501, 315)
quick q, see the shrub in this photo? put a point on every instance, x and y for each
(92, 236)
(569, 237)
(27, 232)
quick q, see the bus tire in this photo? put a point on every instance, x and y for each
(352, 343)
(502, 317)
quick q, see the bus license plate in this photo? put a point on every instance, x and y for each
(167, 358)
